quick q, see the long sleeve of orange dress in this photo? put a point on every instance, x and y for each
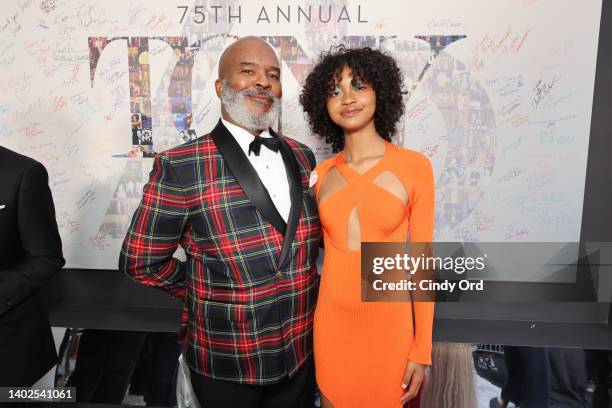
(362, 348)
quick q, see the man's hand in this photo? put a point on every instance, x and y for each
(413, 379)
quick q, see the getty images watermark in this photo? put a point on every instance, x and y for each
(492, 272)
(410, 265)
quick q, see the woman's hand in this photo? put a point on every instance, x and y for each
(413, 379)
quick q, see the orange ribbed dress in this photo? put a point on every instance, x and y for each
(361, 349)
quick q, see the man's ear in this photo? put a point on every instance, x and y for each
(218, 86)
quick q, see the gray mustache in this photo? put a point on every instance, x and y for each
(259, 92)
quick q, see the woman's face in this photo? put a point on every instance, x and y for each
(351, 103)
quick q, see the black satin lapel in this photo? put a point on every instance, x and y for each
(247, 177)
(297, 196)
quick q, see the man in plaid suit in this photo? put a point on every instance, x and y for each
(238, 201)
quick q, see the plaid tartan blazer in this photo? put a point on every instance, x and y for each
(250, 282)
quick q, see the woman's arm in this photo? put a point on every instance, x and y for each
(421, 228)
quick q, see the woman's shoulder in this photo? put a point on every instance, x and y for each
(320, 170)
(412, 159)
(326, 164)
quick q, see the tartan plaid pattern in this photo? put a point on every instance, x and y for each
(245, 320)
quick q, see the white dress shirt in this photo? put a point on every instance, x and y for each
(269, 166)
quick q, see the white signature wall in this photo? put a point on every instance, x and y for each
(500, 100)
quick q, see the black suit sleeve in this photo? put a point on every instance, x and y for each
(39, 237)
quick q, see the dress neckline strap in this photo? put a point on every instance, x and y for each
(350, 174)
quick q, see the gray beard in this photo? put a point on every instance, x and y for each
(235, 105)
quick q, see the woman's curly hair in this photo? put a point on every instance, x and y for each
(371, 66)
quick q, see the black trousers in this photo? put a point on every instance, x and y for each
(528, 383)
(568, 379)
(295, 392)
(602, 366)
(104, 365)
(155, 373)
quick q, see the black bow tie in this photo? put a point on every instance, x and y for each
(271, 143)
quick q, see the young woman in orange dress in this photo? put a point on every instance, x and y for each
(367, 354)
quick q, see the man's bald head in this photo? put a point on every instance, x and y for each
(238, 49)
(249, 84)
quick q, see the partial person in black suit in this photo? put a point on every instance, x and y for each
(528, 378)
(30, 254)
